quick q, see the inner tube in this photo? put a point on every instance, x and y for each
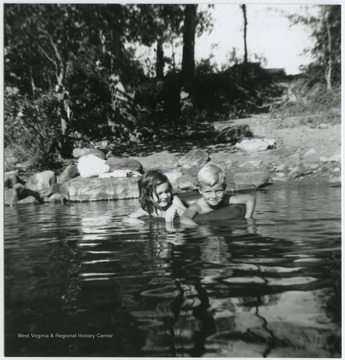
(233, 211)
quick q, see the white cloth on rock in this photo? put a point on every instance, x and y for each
(91, 165)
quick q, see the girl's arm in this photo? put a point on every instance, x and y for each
(133, 218)
(181, 208)
(177, 206)
(248, 199)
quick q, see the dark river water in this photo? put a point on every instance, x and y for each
(80, 283)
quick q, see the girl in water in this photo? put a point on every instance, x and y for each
(156, 199)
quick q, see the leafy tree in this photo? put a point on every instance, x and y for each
(326, 32)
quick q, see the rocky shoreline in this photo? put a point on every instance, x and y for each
(304, 153)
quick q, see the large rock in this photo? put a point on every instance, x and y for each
(30, 200)
(54, 189)
(255, 145)
(12, 178)
(186, 182)
(69, 173)
(19, 193)
(334, 158)
(117, 163)
(335, 181)
(78, 153)
(193, 158)
(173, 176)
(56, 198)
(257, 178)
(41, 181)
(95, 189)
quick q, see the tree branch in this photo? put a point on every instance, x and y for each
(48, 57)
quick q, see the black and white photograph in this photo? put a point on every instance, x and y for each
(172, 179)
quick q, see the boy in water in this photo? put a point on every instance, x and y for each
(212, 186)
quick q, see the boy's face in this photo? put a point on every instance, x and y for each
(213, 195)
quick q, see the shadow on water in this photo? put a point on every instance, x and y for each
(269, 287)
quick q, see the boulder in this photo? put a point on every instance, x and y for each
(193, 158)
(29, 200)
(54, 189)
(56, 198)
(173, 176)
(255, 145)
(95, 189)
(233, 134)
(70, 172)
(78, 153)
(41, 181)
(253, 164)
(335, 181)
(120, 174)
(10, 197)
(257, 178)
(117, 163)
(299, 171)
(91, 165)
(279, 177)
(282, 168)
(186, 182)
(11, 178)
(334, 158)
(18, 193)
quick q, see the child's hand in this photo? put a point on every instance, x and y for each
(130, 220)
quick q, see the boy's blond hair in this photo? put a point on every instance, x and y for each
(210, 175)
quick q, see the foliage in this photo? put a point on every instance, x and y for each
(235, 91)
(30, 129)
(309, 97)
(326, 51)
(89, 52)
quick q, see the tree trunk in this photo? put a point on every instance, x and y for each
(244, 9)
(188, 62)
(328, 69)
(160, 60)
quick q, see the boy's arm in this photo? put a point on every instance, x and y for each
(133, 218)
(248, 199)
(189, 214)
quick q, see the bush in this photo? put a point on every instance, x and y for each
(308, 96)
(32, 129)
(235, 91)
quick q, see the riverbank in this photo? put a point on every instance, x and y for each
(308, 150)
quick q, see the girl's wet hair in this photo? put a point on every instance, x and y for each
(147, 187)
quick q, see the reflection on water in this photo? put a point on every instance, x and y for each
(268, 287)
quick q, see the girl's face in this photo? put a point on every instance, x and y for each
(162, 197)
